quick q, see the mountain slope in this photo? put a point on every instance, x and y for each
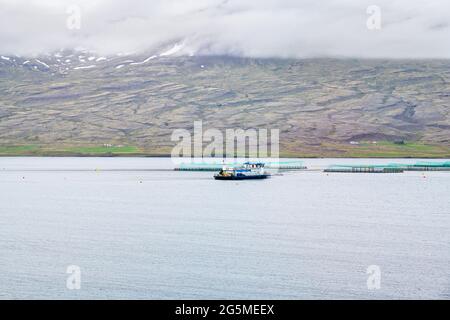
(319, 105)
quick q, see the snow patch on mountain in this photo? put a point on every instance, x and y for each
(145, 61)
(43, 63)
(175, 49)
(84, 67)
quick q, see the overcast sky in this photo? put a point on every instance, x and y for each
(254, 28)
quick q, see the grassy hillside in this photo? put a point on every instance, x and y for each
(321, 106)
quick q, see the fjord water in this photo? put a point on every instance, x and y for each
(139, 234)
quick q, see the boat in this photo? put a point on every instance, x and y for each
(248, 171)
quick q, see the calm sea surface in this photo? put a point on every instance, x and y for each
(137, 233)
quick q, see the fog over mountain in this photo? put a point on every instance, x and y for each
(247, 28)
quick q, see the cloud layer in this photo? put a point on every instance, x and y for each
(253, 28)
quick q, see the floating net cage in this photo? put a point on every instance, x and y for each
(365, 168)
(349, 166)
(293, 164)
(428, 166)
(199, 166)
(445, 164)
(391, 167)
(213, 166)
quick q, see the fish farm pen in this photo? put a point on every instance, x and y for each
(391, 168)
(341, 168)
(428, 166)
(213, 167)
(286, 165)
(364, 169)
(199, 167)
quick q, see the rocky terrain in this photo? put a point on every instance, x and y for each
(323, 107)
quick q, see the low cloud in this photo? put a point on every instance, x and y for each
(252, 28)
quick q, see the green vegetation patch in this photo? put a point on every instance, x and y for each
(17, 150)
(389, 149)
(37, 150)
(102, 149)
(381, 149)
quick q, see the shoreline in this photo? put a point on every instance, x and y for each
(169, 156)
(380, 150)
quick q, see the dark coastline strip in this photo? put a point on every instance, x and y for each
(86, 170)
